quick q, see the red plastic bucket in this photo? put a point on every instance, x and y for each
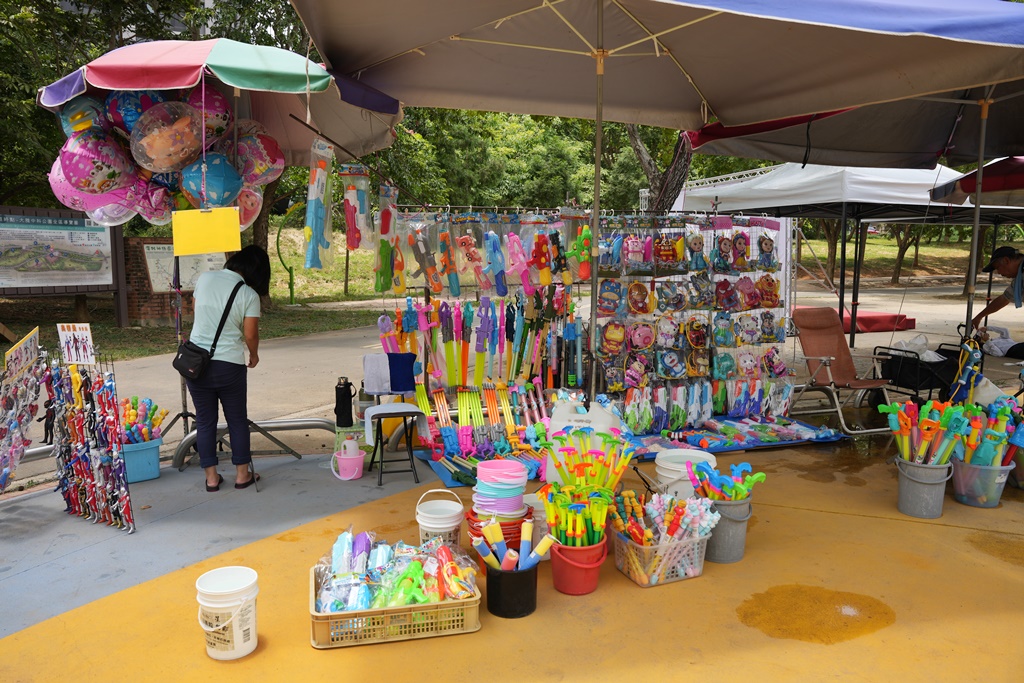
(575, 570)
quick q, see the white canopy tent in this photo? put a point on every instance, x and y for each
(862, 194)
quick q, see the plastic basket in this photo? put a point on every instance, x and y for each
(452, 537)
(365, 627)
(653, 565)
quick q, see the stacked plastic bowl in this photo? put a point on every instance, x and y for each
(498, 495)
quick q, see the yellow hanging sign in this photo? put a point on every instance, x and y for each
(206, 231)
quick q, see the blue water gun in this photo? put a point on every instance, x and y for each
(495, 262)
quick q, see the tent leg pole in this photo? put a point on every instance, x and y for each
(842, 264)
(858, 263)
(595, 216)
(972, 267)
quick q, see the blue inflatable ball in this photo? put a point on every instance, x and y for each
(82, 113)
(222, 181)
(124, 107)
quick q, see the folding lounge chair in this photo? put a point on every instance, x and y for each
(831, 366)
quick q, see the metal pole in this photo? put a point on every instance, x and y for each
(858, 263)
(595, 216)
(972, 267)
(842, 264)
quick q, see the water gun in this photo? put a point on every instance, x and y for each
(956, 427)
(483, 333)
(559, 262)
(425, 260)
(987, 452)
(397, 269)
(384, 275)
(471, 259)
(541, 258)
(1015, 442)
(495, 262)
(352, 234)
(518, 263)
(448, 264)
(316, 210)
(409, 587)
(581, 250)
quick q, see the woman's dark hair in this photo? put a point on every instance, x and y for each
(253, 264)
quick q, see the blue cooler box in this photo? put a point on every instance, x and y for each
(142, 460)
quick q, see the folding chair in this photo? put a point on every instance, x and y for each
(389, 374)
(831, 366)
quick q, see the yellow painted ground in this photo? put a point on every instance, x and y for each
(836, 585)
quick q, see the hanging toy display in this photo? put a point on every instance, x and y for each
(355, 178)
(168, 137)
(124, 107)
(495, 262)
(449, 263)
(212, 180)
(317, 230)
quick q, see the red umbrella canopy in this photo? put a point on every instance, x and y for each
(1002, 184)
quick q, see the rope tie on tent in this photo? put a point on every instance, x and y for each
(807, 144)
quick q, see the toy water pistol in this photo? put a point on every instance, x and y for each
(517, 262)
(581, 251)
(495, 262)
(317, 204)
(397, 269)
(471, 259)
(425, 259)
(352, 234)
(559, 262)
(483, 333)
(541, 258)
(449, 267)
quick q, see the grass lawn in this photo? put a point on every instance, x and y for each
(327, 285)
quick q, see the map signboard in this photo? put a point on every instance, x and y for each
(160, 264)
(38, 251)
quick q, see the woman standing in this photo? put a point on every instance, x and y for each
(224, 380)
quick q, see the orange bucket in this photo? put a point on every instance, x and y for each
(575, 570)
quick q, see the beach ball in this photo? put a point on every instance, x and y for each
(112, 214)
(250, 201)
(222, 182)
(216, 110)
(95, 162)
(125, 107)
(167, 137)
(259, 159)
(82, 113)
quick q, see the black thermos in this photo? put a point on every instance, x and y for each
(343, 402)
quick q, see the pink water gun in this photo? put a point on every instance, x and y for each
(471, 259)
(518, 263)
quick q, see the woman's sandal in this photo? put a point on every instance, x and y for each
(211, 489)
(244, 485)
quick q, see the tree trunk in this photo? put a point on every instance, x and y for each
(665, 186)
(917, 246)
(904, 236)
(830, 229)
(81, 308)
(261, 228)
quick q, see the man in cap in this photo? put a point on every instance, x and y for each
(1006, 261)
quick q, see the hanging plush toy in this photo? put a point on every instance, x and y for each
(721, 256)
(749, 296)
(741, 251)
(768, 288)
(695, 245)
(721, 330)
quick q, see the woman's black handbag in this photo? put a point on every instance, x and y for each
(191, 360)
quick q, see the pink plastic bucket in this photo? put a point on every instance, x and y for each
(348, 467)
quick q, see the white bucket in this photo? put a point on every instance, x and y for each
(227, 611)
(440, 517)
(670, 466)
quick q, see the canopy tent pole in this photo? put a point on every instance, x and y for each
(972, 267)
(842, 264)
(595, 216)
(860, 243)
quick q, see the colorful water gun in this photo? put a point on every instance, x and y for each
(559, 262)
(518, 263)
(541, 258)
(353, 236)
(449, 266)
(397, 269)
(471, 259)
(581, 250)
(317, 197)
(425, 259)
(495, 262)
